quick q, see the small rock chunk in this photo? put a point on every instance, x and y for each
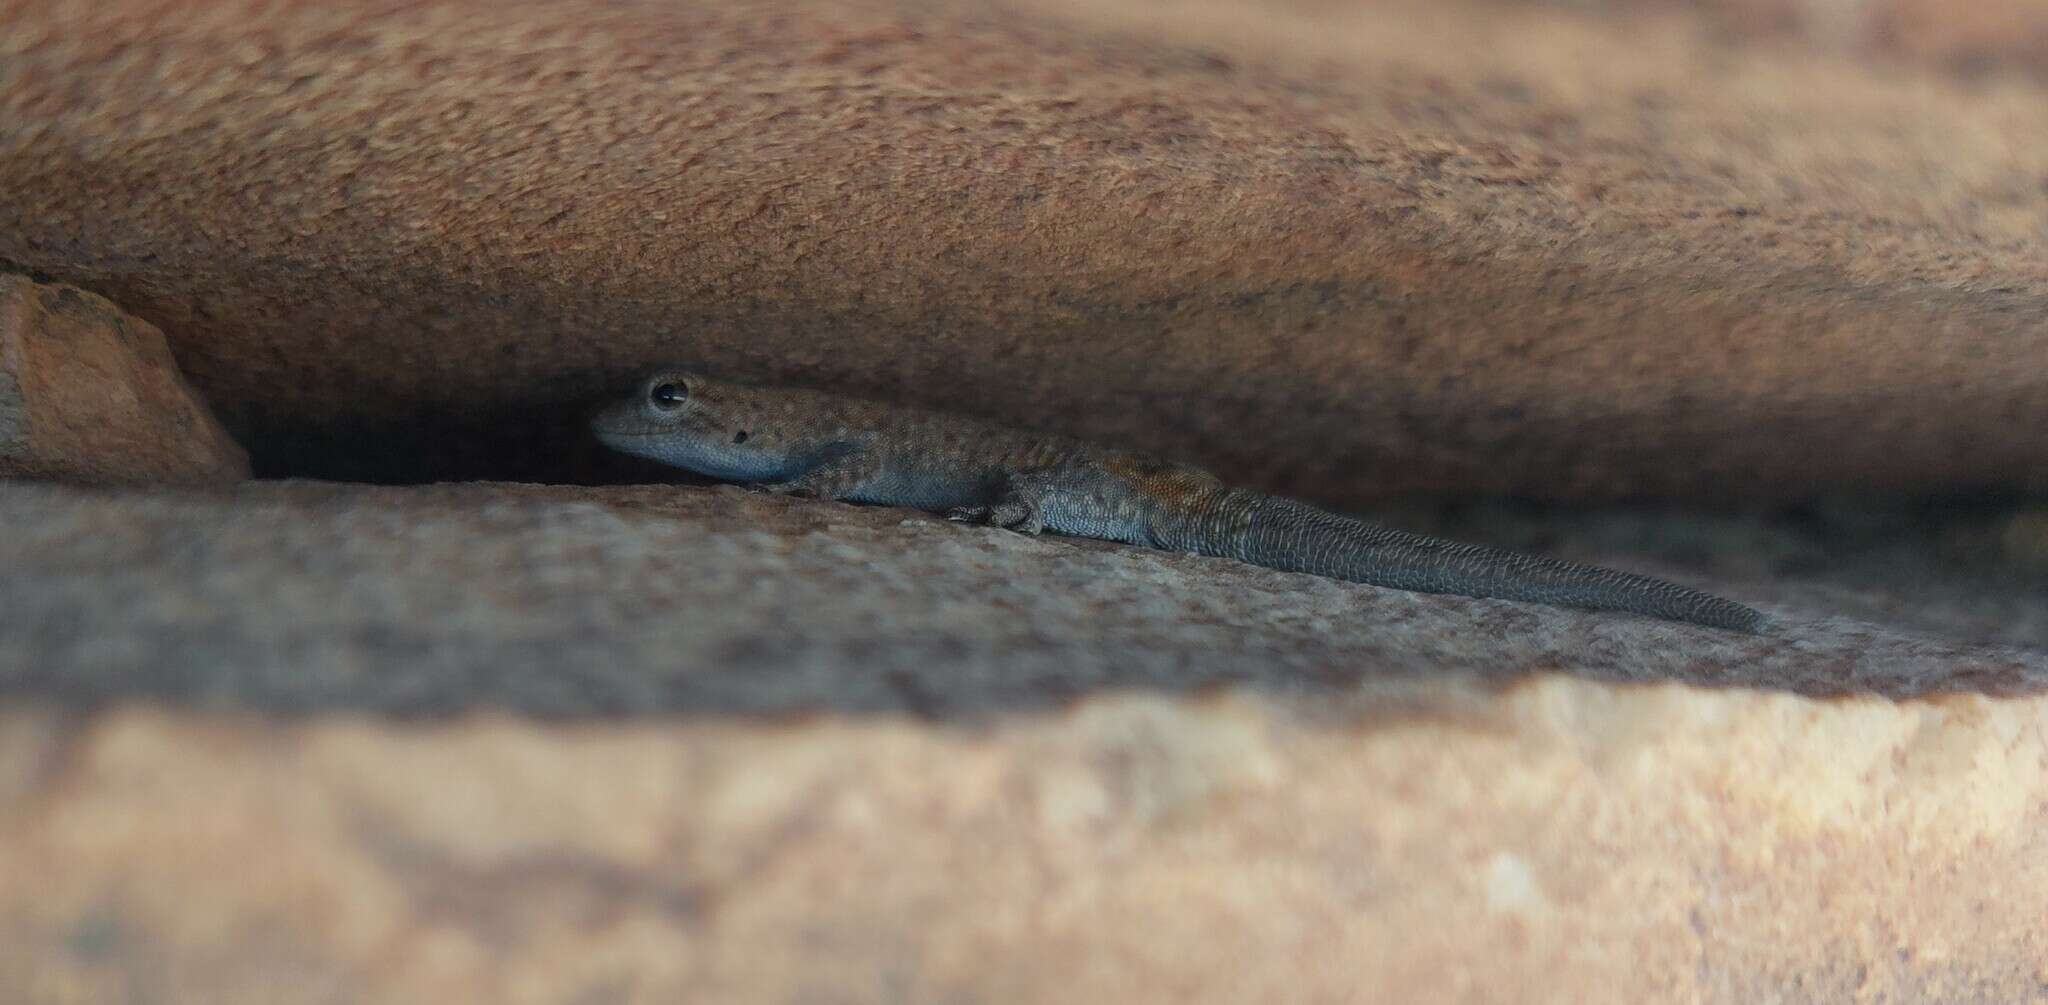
(89, 393)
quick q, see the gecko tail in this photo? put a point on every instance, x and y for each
(1295, 537)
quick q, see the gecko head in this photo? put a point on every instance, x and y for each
(683, 418)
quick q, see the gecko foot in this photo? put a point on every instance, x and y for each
(793, 488)
(1007, 515)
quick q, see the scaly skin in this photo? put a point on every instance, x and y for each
(810, 443)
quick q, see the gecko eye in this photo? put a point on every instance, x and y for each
(667, 396)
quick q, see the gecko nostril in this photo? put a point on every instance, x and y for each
(740, 437)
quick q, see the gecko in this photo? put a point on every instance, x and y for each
(803, 442)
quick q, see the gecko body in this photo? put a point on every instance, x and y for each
(806, 442)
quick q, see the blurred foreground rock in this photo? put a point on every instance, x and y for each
(660, 744)
(1975, 39)
(1561, 841)
(89, 394)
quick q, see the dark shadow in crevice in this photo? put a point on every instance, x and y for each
(539, 441)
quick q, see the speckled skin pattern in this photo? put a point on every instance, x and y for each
(811, 443)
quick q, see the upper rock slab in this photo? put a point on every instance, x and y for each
(1339, 250)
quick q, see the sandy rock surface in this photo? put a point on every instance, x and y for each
(1974, 40)
(1562, 841)
(90, 394)
(525, 744)
(652, 600)
(1341, 250)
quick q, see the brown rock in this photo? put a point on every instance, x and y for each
(88, 393)
(1562, 841)
(656, 600)
(1977, 38)
(520, 743)
(1343, 250)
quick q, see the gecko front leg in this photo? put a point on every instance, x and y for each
(836, 477)
(1020, 506)
(1086, 498)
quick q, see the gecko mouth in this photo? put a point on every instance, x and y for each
(641, 433)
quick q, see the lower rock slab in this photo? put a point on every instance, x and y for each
(1560, 840)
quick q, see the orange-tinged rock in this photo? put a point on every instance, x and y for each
(1562, 841)
(89, 393)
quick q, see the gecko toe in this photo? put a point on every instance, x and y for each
(968, 514)
(1029, 523)
(1017, 515)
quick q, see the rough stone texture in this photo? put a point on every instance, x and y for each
(1341, 250)
(664, 743)
(1562, 841)
(88, 393)
(563, 601)
(311, 742)
(1975, 38)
